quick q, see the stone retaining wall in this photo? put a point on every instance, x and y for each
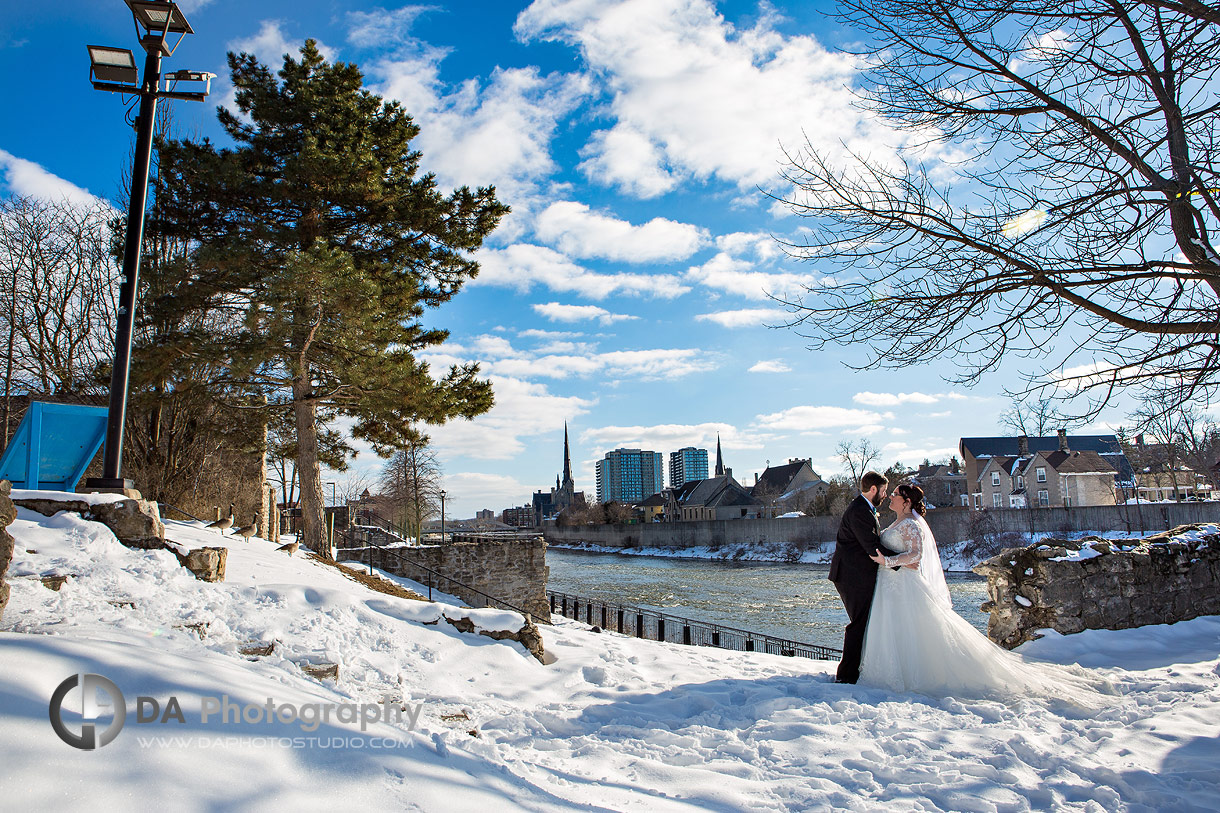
(950, 525)
(514, 571)
(1070, 586)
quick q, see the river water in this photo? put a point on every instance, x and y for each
(792, 601)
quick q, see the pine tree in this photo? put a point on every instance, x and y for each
(320, 245)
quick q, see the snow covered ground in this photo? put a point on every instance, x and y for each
(613, 724)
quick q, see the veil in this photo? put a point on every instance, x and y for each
(930, 569)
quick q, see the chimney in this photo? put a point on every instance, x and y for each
(1023, 445)
(1063, 440)
(1139, 439)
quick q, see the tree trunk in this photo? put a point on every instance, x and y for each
(312, 533)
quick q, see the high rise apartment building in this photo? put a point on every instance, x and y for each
(687, 464)
(629, 476)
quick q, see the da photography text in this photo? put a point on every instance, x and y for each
(101, 712)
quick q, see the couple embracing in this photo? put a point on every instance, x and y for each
(903, 633)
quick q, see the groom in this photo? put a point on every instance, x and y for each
(854, 574)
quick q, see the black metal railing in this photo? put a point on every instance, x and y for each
(433, 579)
(656, 626)
(163, 506)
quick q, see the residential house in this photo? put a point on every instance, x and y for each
(719, 497)
(979, 453)
(653, 508)
(1163, 474)
(790, 487)
(943, 485)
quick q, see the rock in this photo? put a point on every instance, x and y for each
(53, 582)
(208, 564)
(528, 636)
(8, 513)
(136, 523)
(1168, 577)
(321, 671)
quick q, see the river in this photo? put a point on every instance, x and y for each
(793, 601)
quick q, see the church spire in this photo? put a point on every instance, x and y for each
(719, 458)
(567, 459)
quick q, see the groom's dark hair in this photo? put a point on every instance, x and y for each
(870, 479)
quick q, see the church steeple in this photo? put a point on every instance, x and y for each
(567, 461)
(719, 458)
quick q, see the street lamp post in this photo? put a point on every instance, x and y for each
(442, 517)
(114, 69)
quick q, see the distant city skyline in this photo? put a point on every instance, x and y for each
(630, 291)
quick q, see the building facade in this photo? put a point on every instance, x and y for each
(563, 495)
(1001, 473)
(629, 476)
(686, 464)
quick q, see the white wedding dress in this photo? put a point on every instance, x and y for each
(915, 642)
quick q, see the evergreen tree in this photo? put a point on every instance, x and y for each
(320, 245)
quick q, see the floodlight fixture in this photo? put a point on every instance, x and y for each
(159, 17)
(108, 64)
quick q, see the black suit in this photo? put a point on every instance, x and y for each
(855, 577)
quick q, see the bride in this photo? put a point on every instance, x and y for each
(915, 642)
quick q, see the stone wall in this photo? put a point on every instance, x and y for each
(8, 513)
(514, 571)
(1094, 584)
(950, 525)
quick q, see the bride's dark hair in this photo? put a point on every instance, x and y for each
(914, 494)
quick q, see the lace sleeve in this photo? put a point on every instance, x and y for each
(909, 531)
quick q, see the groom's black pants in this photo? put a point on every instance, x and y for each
(857, 599)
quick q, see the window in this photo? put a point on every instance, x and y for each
(995, 500)
(978, 500)
(1041, 473)
(995, 478)
(1020, 481)
(1044, 498)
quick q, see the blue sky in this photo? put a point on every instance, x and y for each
(627, 292)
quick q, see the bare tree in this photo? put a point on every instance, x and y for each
(1058, 195)
(412, 481)
(60, 277)
(1034, 417)
(857, 456)
(1160, 420)
(1199, 440)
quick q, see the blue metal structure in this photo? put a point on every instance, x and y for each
(53, 446)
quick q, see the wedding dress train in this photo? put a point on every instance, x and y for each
(915, 642)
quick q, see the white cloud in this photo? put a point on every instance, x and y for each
(748, 317)
(483, 490)
(892, 399)
(670, 437)
(813, 418)
(579, 313)
(523, 265)
(737, 243)
(724, 272)
(576, 230)
(548, 335)
(270, 45)
(498, 357)
(693, 97)
(770, 366)
(522, 410)
(381, 27)
(28, 179)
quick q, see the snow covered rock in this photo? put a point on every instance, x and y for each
(136, 523)
(8, 513)
(1073, 585)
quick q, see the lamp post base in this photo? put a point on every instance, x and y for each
(110, 485)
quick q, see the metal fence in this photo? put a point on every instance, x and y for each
(655, 626)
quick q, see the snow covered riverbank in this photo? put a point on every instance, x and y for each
(613, 723)
(955, 557)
